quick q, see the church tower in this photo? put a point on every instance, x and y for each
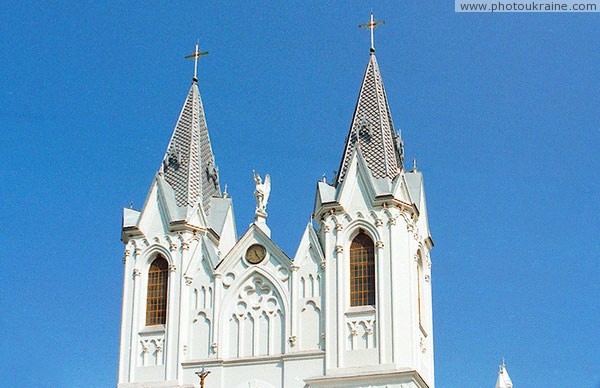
(171, 247)
(373, 228)
(352, 308)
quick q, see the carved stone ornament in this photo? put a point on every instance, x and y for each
(137, 251)
(326, 228)
(378, 222)
(188, 280)
(339, 249)
(339, 227)
(427, 278)
(379, 244)
(392, 221)
(124, 259)
(323, 265)
(185, 246)
(292, 340)
(295, 268)
(172, 247)
(214, 347)
(136, 272)
(172, 268)
(127, 252)
(410, 227)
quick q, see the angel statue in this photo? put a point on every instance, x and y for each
(262, 192)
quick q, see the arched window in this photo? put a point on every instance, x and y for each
(362, 271)
(156, 300)
(419, 279)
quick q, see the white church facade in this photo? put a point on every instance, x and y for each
(351, 308)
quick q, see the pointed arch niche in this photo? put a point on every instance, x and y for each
(254, 322)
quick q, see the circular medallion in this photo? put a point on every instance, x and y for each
(256, 253)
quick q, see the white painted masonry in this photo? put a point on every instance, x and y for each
(274, 321)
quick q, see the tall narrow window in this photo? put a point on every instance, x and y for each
(362, 271)
(156, 300)
(419, 272)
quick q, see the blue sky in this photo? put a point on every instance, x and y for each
(501, 111)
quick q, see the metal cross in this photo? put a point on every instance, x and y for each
(202, 374)
(371, 25)
(196, 54)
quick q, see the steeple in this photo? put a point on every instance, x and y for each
(504, 380)
(189, 164)
(372, 131)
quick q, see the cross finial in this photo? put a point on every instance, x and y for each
(371, 25)
(202, 375)
(196, 54)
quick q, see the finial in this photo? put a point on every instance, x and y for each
(202, 375)
(414, 165)
(324, 179)
(196, 54)
(371, 25)
(225, 194)
(131, 204)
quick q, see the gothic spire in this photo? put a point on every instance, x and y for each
(504, 380)
(189, 164)
(372, 131)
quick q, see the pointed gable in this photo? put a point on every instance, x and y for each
(189, 164)
(373, 130)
